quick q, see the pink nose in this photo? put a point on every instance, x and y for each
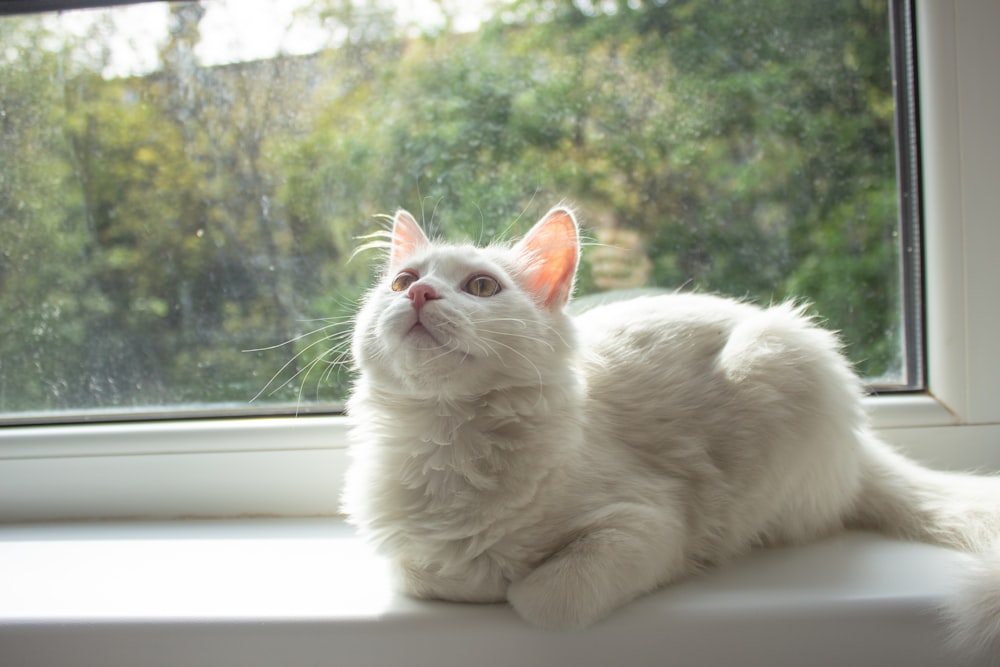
(421, 294)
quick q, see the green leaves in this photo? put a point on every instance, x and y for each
(156, 226)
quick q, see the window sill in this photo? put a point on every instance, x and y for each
(294, 467)
(307, 592)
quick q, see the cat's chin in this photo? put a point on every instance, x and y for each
(420, 354)
(419, 332)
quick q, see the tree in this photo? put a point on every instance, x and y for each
(174, 219)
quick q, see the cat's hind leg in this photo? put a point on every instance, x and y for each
(626, 551)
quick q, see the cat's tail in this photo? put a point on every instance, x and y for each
(959, 511)
(973, 610)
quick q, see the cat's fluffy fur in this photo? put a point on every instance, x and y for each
(504, 450)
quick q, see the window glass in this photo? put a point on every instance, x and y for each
(182, 185)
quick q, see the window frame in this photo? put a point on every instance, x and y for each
(910, 196)
(293, 466)
(38, 6)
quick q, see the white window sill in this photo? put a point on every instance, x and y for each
(291, 592)
(294, 467)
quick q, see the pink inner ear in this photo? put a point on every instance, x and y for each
(407, 238)
(551, 251)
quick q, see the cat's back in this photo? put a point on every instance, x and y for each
(695, 362)
(683, 332)
(740, 402)
(659, 330)
(651, 361)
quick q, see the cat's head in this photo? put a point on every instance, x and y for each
(460, 321)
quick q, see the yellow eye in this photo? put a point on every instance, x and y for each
(403, 280)
(482, 286)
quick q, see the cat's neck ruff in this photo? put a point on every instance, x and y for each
(447, 420)
(426, 454)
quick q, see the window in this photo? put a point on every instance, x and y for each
(183, 184)
(293, 466)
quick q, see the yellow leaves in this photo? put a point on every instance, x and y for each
(147, 156)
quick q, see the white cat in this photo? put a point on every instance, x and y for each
(504, 450)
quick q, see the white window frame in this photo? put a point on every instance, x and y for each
(294, 466)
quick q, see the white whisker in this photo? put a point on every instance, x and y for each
(550, 346)
(339, 346)
(523, 324)
(538, 372)
(296, 338)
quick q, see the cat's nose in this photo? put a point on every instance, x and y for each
(420, 294)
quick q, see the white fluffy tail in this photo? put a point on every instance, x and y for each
(959, 511)
(973, 611)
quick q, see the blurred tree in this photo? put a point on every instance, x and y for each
(155, 226)
(43, 303)
(744, 141)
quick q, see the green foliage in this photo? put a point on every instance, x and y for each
(155, 227)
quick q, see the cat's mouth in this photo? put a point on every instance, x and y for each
(418, 329)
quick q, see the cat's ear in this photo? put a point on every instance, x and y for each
(407, 238)
(549, 254)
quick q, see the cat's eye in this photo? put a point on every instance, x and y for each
(403, 281)
(482, 286)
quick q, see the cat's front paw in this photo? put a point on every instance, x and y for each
(544, 605)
